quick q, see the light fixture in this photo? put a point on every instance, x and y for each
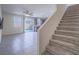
(27, 13)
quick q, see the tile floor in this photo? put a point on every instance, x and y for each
(19, 44)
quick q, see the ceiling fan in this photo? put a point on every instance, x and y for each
(27, 12)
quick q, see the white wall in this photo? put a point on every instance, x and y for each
(46, 31)
(0, 29)
(0, 11)
(8, 24)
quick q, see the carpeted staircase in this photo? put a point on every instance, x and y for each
(65, 41)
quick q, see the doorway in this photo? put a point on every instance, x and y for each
(28, 24)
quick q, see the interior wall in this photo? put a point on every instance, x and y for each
(8, 24)
(0, 16)
(0, 11)
(46, 31)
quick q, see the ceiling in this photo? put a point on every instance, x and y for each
(38, 10)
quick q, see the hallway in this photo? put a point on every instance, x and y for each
(19, 44)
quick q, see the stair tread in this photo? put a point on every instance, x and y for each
(73, 22)
(65, 36)
(69, 21)
(66, 44)
(70, 15)
(69, 40)
(64, 47)
(67, 31)
(71, 26)
(76, 30)
(57, 50)
(70, 18)
(75, 17)
(46, 53)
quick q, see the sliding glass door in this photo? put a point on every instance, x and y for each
(28, 24)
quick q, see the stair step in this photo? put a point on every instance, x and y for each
(70, 26)
(68, 29)
(74, 12)
(65, 36)
(70, 22)
(69, 19)
(65, 44)
(75, 17)
(46, 53)
(71, 15)
(52, 43)
(76, 32)
(66, 39)
(66, 17)
(62, 24)
(67, 33)
(50, 52)
(58, 50)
